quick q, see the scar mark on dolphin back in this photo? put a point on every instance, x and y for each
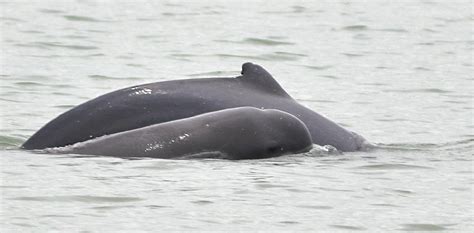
(161, 145)
(140, 91)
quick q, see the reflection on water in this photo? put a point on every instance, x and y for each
(398, 73)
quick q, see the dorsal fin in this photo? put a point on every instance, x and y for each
(259, 77)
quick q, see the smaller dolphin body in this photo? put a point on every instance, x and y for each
(237, 133)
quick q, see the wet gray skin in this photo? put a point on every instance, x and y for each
(237, 133)
(153, 103)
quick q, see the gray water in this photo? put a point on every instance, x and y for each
(397, 72)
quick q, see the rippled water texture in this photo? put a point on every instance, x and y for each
(397, 72)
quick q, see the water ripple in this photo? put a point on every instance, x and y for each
(347, 227)
(399, 30)
(317, 207)
(423, 90)
(270, 186)
(423, 227)
(319, 67)
(32, 32)
(9, 19)
(29, 84)
(258, 41)
(148, 36)
(355, 28)
(104, 77)
(78, 198)
(10, 142)
(277, 56)
(295, 10)
(459, 144)
(391, 166)
(202, 202)
(81, 18)
(329, 76)
(49, 45)
(56, 216)
(112, 207)
(51, 11)
(353, 55)
(12, 101)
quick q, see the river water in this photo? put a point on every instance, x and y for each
(397, 72)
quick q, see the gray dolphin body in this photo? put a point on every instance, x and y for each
(153, 103)
(237, 133)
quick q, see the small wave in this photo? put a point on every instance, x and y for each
(28, 83)
(321, 151)
(9, 19)
(78, 198)
(12, 101)
(170, 14)
(52, 45)
(424, 90)
(291, 54)
(420, 68)
(359, 28)
(267, 42)
(384, 68)
(317, 207)
(355, 28)
(459, 144)
(424, 227)
(51, 11)
(56, 216)
(81, 18)
(148, 36)
(135, 65)
(61, 93)
(281, 56)
(98, 31)
(392, 120)
(75, 37)
(147, 19)
(93, 55)
(329, 76)
(32, 32)
(10, 142)
(186, 55)
(112, 207)
(399, 30)
(182, 56)
(391, 166)
(277, 56)
(295, 10)
(125, 57)
(353, 55)
(104, 77)
(347, 227)
(319, 67)
(248, 57)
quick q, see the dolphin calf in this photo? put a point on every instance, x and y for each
(236, 133)
(153, 103)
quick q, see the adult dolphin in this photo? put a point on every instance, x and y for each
(236, 133)
(158, 102)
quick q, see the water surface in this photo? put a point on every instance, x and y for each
(398, 73)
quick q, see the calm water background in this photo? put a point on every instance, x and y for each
(397, 72)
